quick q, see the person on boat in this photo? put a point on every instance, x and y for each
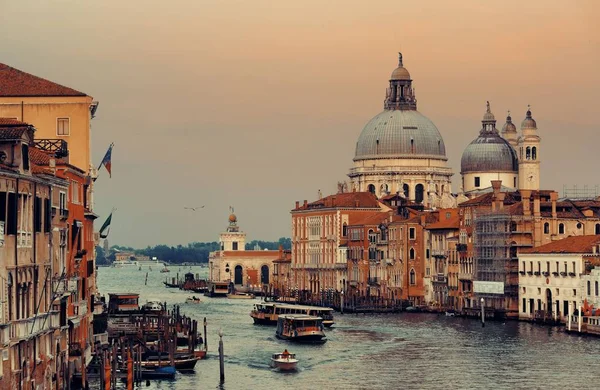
(285, 353)
(194, 298)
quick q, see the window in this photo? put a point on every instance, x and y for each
(528, 153)
(24, 220)
(371, 188)
(477, 181)
(589, 288)
(598, 228)
(405, 190)
(234, 245)
(515, 182)
(411, 233)
(344, 230)
(37, 215)
(411, 254)
(427, 253)
(546, 228)
(62, 126)
(62, 201)
(419, 193)
(524, 305)
(596, 287)
(412, 277)
(74, 192)
(25, 155)
(47, 215)
(561, 228)
(534, 153)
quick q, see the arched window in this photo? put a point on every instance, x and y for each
(419, 190)
(239, 275)
(528, 153)
(534, 153)
(598, 228)
(406, 190)
(596, 287)
(546, 228)
(411, 254)
(412, 277)
(513, 226)
(264, 274)
(371, 189)
(561, 228)
(344, 230)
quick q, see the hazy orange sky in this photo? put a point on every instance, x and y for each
(257, 104)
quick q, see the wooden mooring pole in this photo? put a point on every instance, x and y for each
(221, 357)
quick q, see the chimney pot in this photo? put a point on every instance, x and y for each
(305, 203)
(297, 204)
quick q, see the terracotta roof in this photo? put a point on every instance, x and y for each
(38, 170)
(8, 122)
(12, 129)
(487, 199)
(370, 219)
(38, 156)
(7, 168)
(446, 223)
(344, 200)
(14, 82)
(571, 244)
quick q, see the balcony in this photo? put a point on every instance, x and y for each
(465, 276)
(571, 273)
(546, 273)
(374, 281)
(101, 338)
(563, 274)
(57, 146)
(555, 273)
(537, 273)
(439, 278)
(81, 308)
(30, 327)
(59, 286)
(438, 253)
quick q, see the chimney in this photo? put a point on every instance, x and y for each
(356, 203)
(423, 219)
(496, 185)
(500, 200)
(305, 203)
(297, 204)
(525, 198)
(333, 201)
(554, 198)
(536, 205)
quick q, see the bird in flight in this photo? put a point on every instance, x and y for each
(193, 208)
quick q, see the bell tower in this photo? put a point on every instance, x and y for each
(529, 154)
(233, 239)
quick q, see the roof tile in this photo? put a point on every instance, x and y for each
(14, 82)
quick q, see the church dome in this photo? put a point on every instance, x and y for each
(509, 126)
(489, 152)
(528, 122)
(400, 133)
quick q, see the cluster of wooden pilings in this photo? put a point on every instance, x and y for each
(134, 336)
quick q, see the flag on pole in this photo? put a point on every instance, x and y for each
(106, 160)
(105, 226)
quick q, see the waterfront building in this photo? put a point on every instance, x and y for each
(33, 325)
(320, 236)
(441, 259)
(401, 150)
(282, 273)
(244, 269)
(557, 274)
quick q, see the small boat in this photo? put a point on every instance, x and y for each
(450, 313)
(171, 285)
(167, 372)
(164, 270)
(301, 328)
(193, 300)
(284, 361)
(241, 296)
(153, 305)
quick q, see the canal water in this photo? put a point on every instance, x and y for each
(400, 351)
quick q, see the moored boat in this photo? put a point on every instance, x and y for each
(185, 362)
(241, 296)
(193, 300)
(284, 361)
(301, 328)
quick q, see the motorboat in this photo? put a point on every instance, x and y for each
(241, 296)
(301, 328)
(164, 270)
(450, 313)
(153, 305)
(193, 300)
(284, 361)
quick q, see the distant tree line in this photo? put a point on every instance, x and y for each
(196, 252)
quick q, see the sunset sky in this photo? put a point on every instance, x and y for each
(257, 104)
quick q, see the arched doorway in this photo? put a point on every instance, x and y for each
(548, 300)
(264, 274)
(419, 191)
(239, 275)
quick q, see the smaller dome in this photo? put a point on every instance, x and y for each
(509, 126)
(232, 218)
(528, 122)
(400, 73)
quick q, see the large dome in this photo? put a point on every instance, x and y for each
(400, 133)
(489, 153)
